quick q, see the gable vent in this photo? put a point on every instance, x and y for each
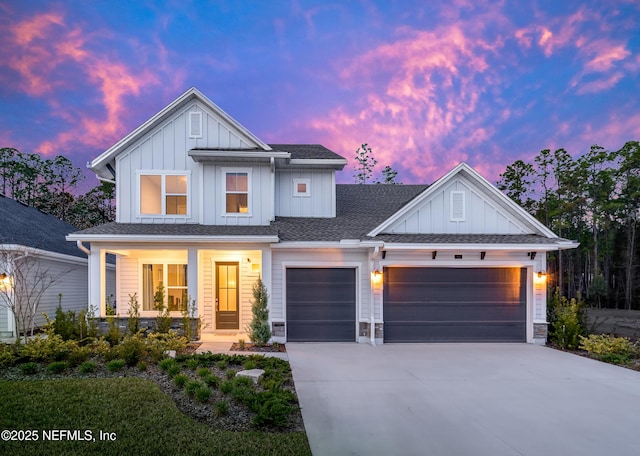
(195, 125)
(457, 207)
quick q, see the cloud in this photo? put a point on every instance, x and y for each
(54, 58)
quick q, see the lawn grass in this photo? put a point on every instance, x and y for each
(143, 418)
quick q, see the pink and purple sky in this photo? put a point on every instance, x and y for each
(426, 83)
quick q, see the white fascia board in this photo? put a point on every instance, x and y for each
(192, 93)
(337, 163)
(43, 253)
(314, 245)
(203, 155)
(480, 247)
(168, 239)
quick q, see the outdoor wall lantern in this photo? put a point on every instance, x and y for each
(376, 276)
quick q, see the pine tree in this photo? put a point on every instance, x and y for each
(259, 331)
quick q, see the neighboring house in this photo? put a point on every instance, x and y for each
(39, 239)
(204, 208)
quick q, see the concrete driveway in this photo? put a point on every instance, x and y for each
(463, 399)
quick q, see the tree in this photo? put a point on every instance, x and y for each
(62, 179)
(516, 182)
(365, 164)
(259, 330)
(388, 176)
(25, 279)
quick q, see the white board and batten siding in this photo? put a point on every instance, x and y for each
(320, 200)
(459, 208)
(165, 148)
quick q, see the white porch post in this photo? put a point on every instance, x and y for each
(266, 274)
(97, 292)
(192, 276)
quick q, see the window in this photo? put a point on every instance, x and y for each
(301, 187)
(175, 290)
(163, 194)
(237, 192)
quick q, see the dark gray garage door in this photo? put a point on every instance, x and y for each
(321, 304)
(454, 304)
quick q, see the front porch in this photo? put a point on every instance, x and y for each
(213, 282)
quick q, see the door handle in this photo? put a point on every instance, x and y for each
(217, 305)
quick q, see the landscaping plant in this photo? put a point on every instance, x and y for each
(565, 317)
(259, 330)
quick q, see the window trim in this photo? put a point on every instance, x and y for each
(307, 182)
(165, 262)
(163, 195)
(223, 193)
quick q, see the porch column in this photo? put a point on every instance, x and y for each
(97, 287)
(192, 276)
(266, 273)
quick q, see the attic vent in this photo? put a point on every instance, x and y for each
(457, 207)
(195, 125)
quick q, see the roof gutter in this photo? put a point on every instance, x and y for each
(83, 248)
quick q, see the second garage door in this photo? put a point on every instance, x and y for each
(454, 304)
(321, 304)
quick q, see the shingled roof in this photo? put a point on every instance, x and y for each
(26, 226)
(307, 151)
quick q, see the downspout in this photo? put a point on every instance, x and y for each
(372, 318)
(83, 248)
(273, 189)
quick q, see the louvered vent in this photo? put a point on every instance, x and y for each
(457, 207)
(195, 125)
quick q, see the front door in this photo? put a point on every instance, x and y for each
(227, 315)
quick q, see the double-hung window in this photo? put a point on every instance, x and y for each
(164, 283)
(163, 194)
(236, 190)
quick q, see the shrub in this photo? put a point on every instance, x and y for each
(230, 373)
(180, 380)
(259, 330)
(191, 325)
(78, 356)
(192, 386)
(57, 367)
(608, 348)
(242, 381)
(159, 343)
(51, 347)
(166, 363)
(116, 365)
(222, 408)
(202, 394)
(212, 381)
(204, 372)
(8, 354)
(241, 344)
(100, 347)
(192, 363)
(87, 367)
(142, 366)
(133, 313)
(173, 370)
(222, 364)
(29, 368)
(132, 349)
(163, 320)
(65, 324)
(274, 411)
(226, 387)
(250, 364)
(566, 321)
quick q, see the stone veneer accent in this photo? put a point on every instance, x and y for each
(363, 330)
(540, 331)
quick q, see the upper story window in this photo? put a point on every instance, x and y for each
(236, 190)
(301, 187)
(163, 194)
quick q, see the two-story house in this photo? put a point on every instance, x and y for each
(204, 208)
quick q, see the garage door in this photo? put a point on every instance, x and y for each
(321, 304)
(454, 304)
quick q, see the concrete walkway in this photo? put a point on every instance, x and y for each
(463, 399)
(225, 347)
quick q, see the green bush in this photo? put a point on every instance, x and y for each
(29, 368)
(250, 364)
(565, 317)
(192, 386)
(166, 363)
(57, 367)
(78, 356)
(173, 370)
(116, 365)
(222, 408)
(259, 330)
(192, 363)
(159, 343)
(605, 345)
(226, 387)
(50, 347)
(202, 394)
(211, 381)
(134, 314)
(142, 366)
(66, 324)
(274, 411)
(204, 372)
(132, 349)
(8, 354)
(230, 373)
(180, 380)
(88, 367)
(222, 364)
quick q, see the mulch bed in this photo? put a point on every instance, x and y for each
(266, 348)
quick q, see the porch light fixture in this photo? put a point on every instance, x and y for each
(376, 276)
(542, 274)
